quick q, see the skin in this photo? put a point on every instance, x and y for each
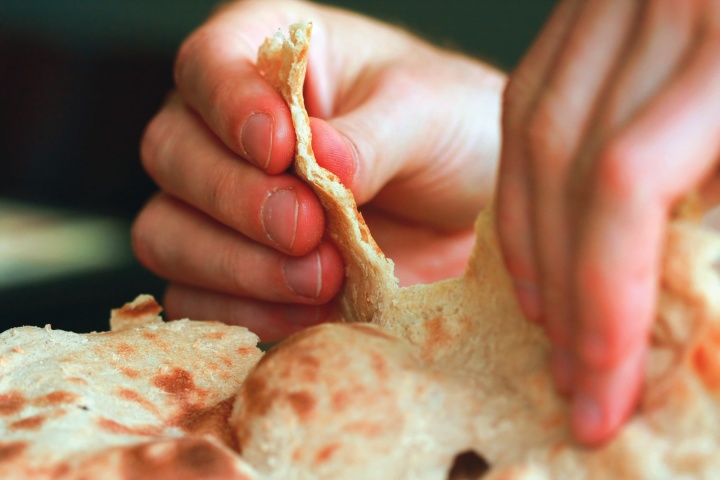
(609, 121)
(239, 237)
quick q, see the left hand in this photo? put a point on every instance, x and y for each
(612, 117)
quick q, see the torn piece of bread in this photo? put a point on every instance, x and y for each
(370, 280)
(147, 400)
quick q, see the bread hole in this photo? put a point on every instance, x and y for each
(468, 466)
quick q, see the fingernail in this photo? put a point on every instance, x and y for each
(303, 275)
(279, 215)
(257, 139)
(587, 417)
(527, 293)
(562, 369)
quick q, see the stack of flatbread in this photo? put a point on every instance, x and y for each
(425, 382)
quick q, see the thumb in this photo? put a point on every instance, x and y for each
(333, 151)
(422, 148)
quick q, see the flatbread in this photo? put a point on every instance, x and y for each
(147, 400)
(453, 367)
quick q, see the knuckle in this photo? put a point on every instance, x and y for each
(543, 137)
(141, 243)
(151, 145)
(232, 261)
(223, 113)
(190, 49)
(616, 174)
(221, 189)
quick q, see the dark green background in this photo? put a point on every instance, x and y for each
(79, 79)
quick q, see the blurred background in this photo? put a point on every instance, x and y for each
(79, 79)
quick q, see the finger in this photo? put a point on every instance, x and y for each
(670, 146)
(215, 73)
(554, 132)
(513, 203)
(186, 160)
(269, 321)
(219, 259)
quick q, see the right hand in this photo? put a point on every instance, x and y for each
(411, 129)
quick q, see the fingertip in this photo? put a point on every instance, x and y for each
(603, 400)
(333, 151)
(588, 422)
(315, 278)
(333, 270)
(310, 222)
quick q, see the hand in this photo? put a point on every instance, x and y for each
(412, 130)
(612, 117)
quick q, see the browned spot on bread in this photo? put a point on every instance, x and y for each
(324, 454)
(302, 403)
(148, 307)
(183, 459)
(341, 399)
(244, 351)
(111, 426)
(215, 335)
(11, 402)
(368, 429)
(379, 365)
(58, 397)
(136, 397)
(77, 380)
(437, 336)
(258, 397)
(178, 382)
(304, 367)
(30, 423)
(706, 360)
(212, 420)
(149, 335)
(129, 372)
(60, 471)
(11, 450)
(125, 349)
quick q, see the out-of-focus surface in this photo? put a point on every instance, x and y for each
(78, 82)
(40, 245)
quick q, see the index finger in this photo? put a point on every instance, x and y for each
(215, 73)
